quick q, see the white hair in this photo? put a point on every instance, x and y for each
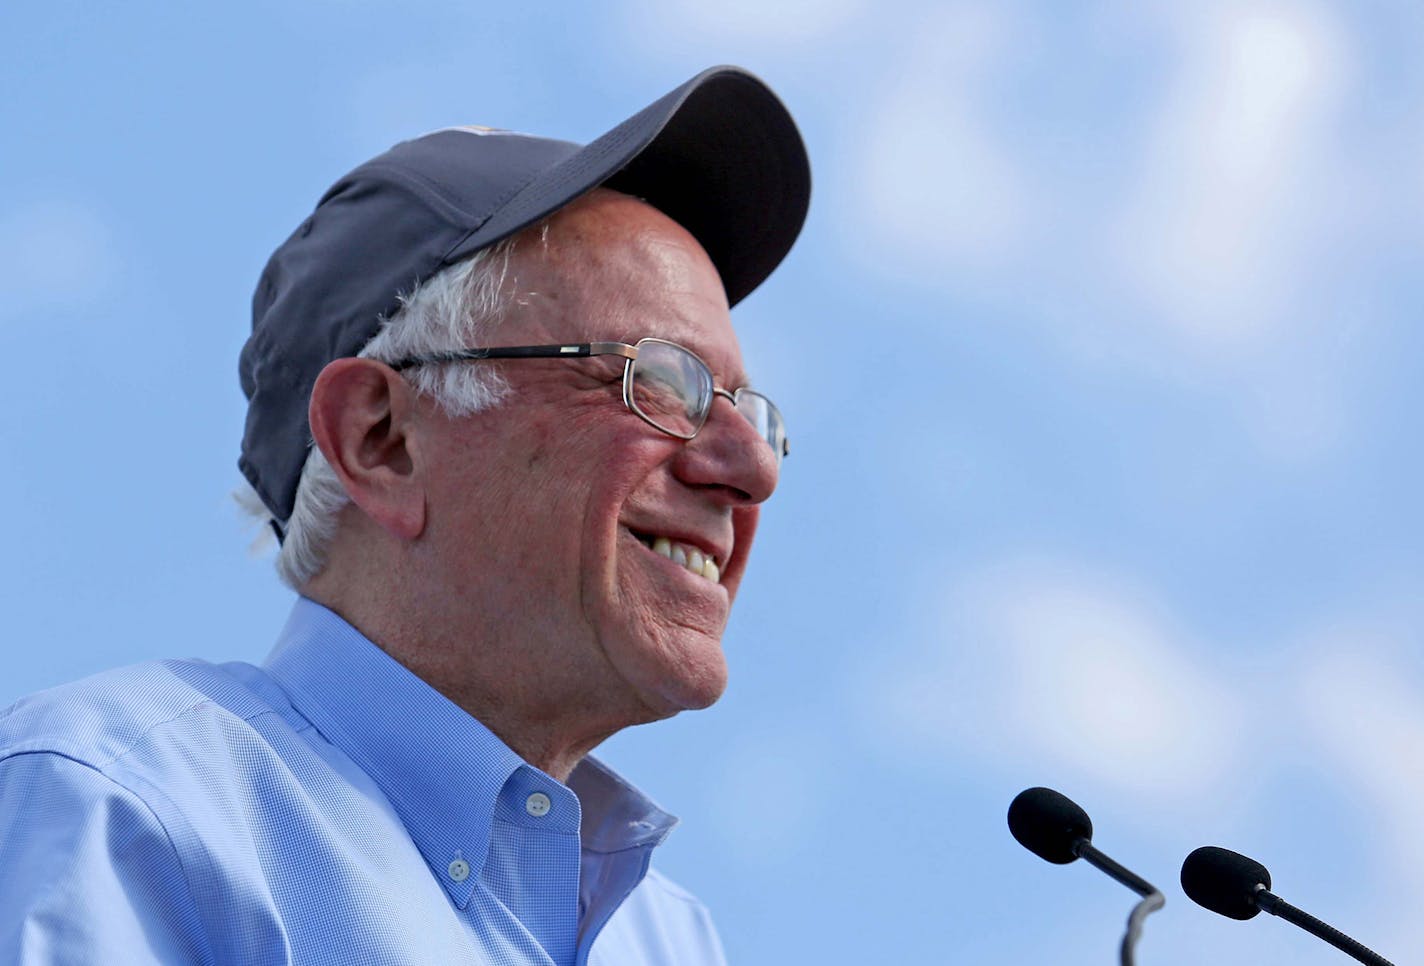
(451, 310)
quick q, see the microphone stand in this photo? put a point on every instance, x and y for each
(1277, 906)
(1152, 899)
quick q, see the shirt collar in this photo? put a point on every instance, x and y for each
(442, 770)
(616, 816)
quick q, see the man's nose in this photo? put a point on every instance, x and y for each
(730, 453)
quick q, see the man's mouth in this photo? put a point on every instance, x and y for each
(687, 557)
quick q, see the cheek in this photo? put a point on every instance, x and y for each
(625, 473)
(515, 512)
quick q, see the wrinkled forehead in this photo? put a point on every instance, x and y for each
(610, 267)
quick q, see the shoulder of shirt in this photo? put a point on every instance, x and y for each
(100, 719)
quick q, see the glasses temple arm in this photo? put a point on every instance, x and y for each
(572, 350)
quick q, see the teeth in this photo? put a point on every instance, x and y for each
(689, 558)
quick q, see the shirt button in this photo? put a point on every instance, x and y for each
(459, 870)
(537, 804)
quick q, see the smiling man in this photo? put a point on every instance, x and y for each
(500, 422)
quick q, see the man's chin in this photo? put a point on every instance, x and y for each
(670, 651)
(704, 695)
(688, 679)
(666, 704)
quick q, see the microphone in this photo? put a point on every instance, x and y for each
(1237, 887)
(1055, 829)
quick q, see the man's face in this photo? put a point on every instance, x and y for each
(543, 508)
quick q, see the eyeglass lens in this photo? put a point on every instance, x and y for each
(765, 417)
(672, 389)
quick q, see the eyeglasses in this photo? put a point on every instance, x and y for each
(669, 387)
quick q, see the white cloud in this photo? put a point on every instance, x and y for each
(1041, 664)
(934, 179)
(1232, 196)
(1047, 669)
(1214, 246)
(1217, 223)
(54, 254)
(1227, 241)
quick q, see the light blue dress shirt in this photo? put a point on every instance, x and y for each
(328, 807)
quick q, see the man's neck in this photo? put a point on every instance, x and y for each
(550, 726)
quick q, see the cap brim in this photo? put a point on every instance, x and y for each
(720, 155)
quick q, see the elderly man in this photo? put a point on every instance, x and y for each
(534, 485)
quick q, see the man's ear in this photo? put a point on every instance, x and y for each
(362, 415)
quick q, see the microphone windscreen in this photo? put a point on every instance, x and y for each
(1048, 824)
(1224, 881)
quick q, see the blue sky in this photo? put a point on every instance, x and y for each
(1099, 354)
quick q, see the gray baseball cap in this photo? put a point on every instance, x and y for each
(720, 155)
